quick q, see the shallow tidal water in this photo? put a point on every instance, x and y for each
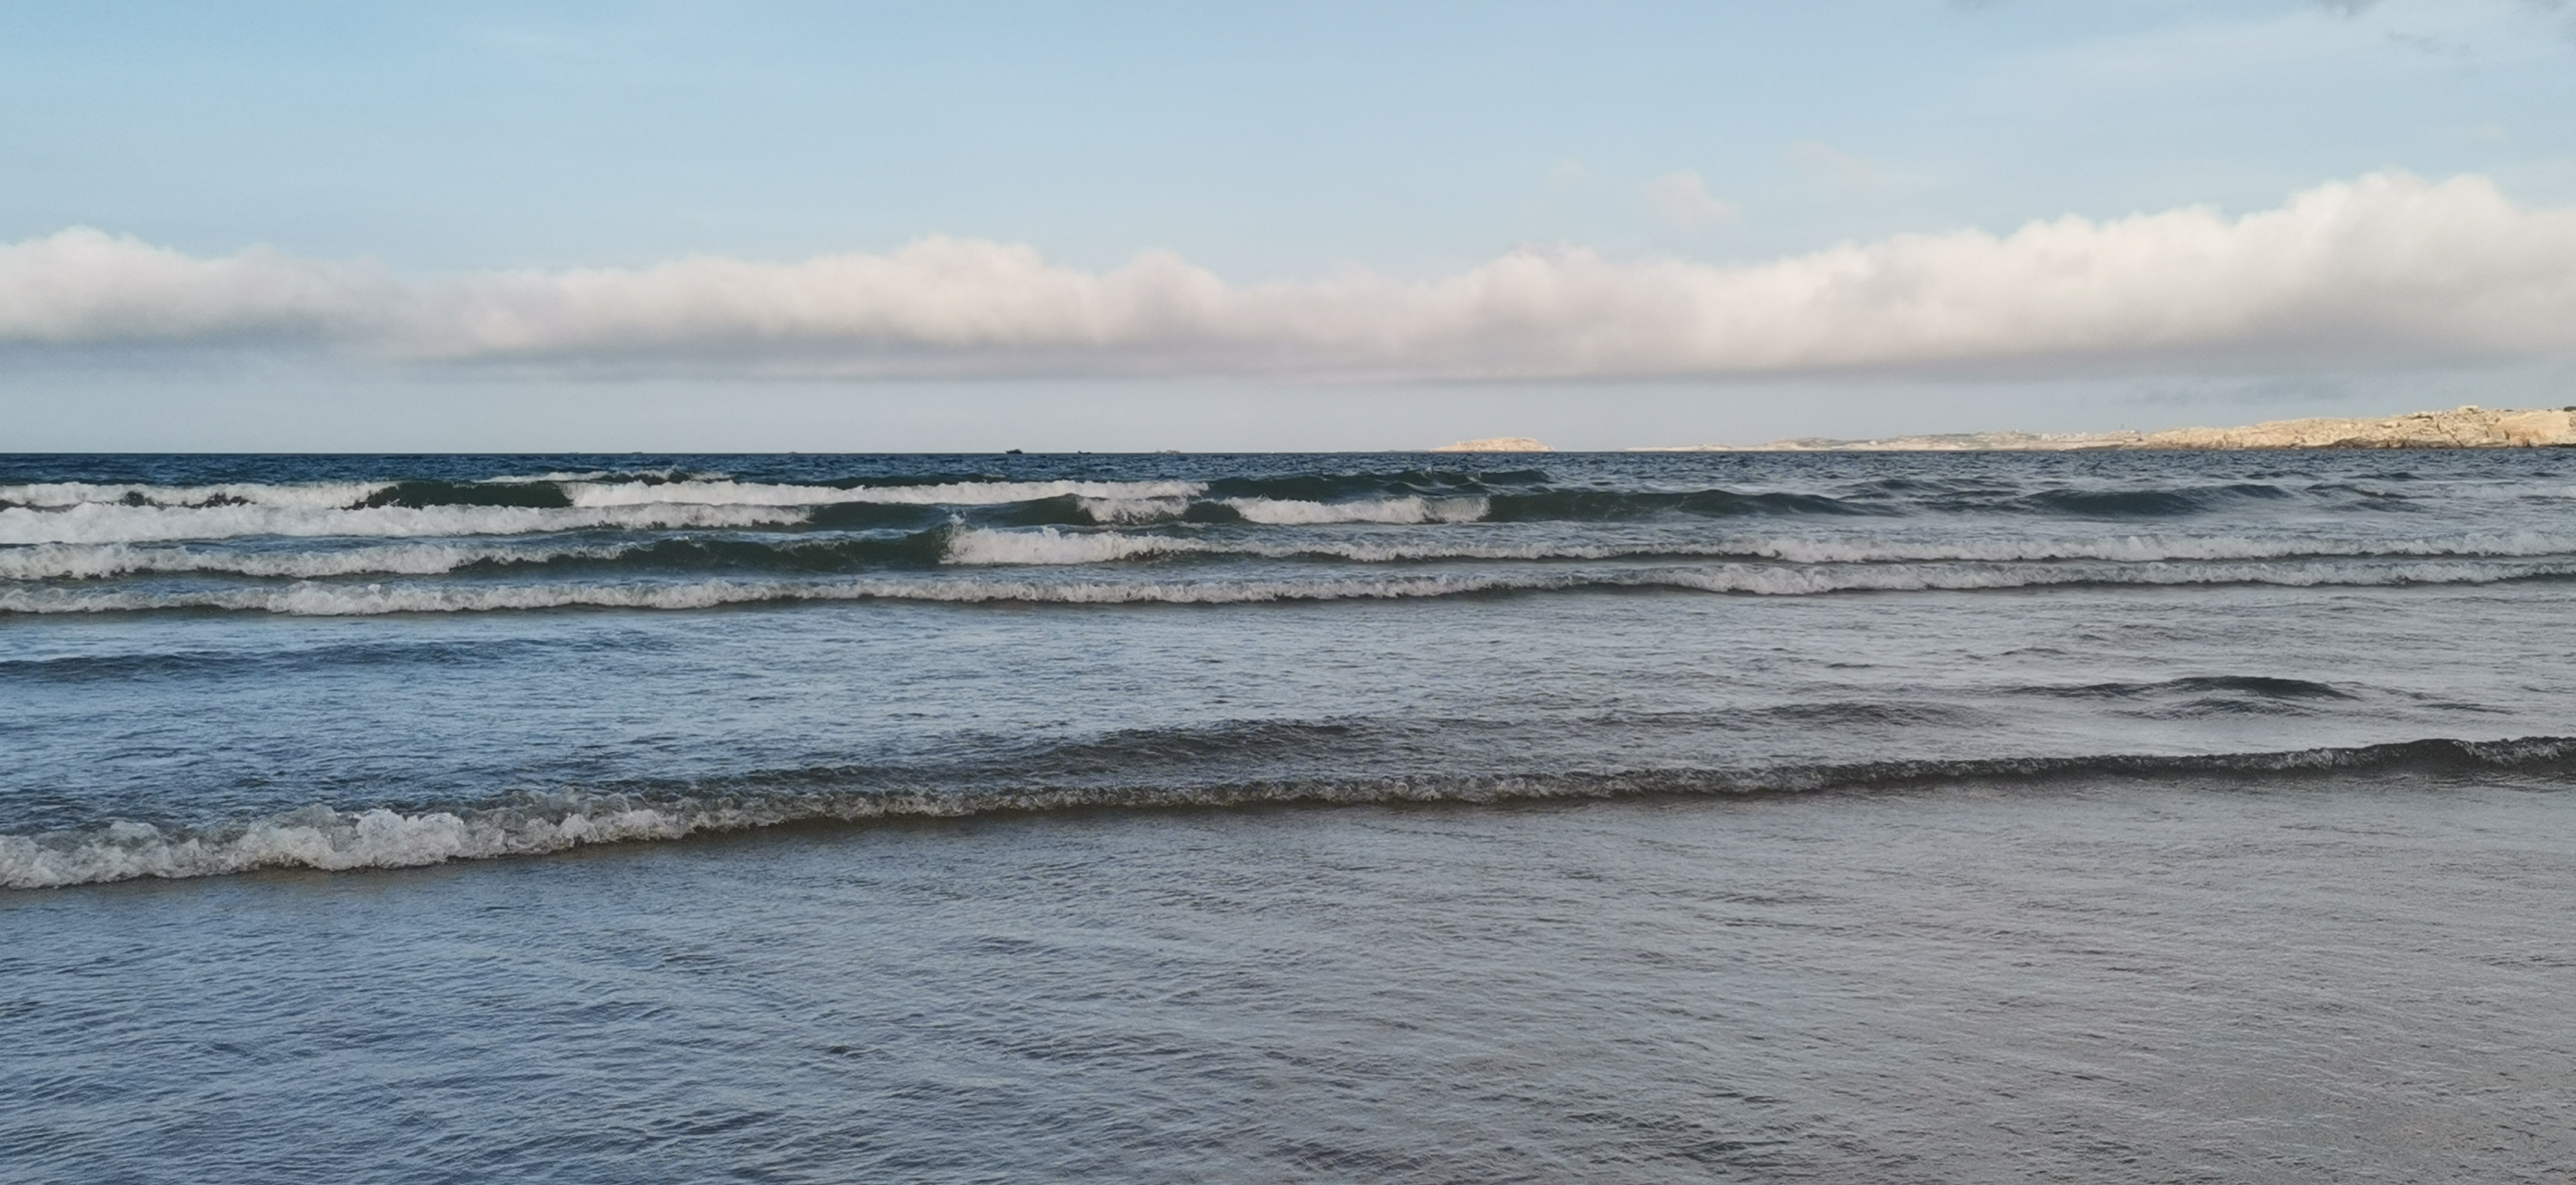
(2334, 979)
(1909, 818)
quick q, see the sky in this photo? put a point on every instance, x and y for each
(1056, 226)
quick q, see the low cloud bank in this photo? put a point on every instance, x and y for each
(2387, 268)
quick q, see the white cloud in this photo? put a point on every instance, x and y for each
(82, 286)
(2388, 268)
(1682, 198)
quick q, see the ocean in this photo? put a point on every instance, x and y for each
(1942, 817)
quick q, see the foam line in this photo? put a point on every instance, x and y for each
(95, 522)
(1409, 509)
(318, 837)
(317, 598)
(970, 493)
(1049, 545)
(61, 494)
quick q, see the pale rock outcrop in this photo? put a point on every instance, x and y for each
(1947, 442)
(2466, 427)
(1496, 444)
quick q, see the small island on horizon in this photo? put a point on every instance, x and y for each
(2468, 426)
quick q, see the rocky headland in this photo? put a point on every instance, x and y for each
(2464, 427)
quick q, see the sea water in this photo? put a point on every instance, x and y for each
(1943, 817)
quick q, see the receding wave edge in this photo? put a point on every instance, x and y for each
(319, 837)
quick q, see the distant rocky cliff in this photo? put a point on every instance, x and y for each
(2465, 427)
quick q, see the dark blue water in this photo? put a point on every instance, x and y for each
(2125, 816)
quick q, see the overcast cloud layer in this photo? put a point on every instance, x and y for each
(2387, 268)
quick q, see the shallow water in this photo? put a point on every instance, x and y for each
(2334, 979)
(1900, 817)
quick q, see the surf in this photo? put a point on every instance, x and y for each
(536, 824)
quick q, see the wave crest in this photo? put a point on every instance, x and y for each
(318, 837)
(97, 522)
(1402, 511)
(1048, 548)
(962, 493)
(58, 495)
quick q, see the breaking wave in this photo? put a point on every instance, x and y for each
(1049, 546)
(1052, 546)
(320, 598)
(108, 522)
(319, 837)
(1118, 531)
(642, 555)
(314, 599)
(92, 561)
(56, 495)
(1292, 512)
(70, 511)
(965, 493)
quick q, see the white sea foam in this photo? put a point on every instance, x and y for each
(1808, 580)
(80, 512)
(2146, 548)
(316, 599)
(1410, 509)
(1133, 510)
(318, 837)
(60, 494)
(96, 561)
(95, 522)
(345, 599)
(1051, 546)
(1047, 545)
(967, 493)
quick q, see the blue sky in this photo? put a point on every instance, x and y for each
(392, 158)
